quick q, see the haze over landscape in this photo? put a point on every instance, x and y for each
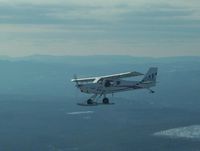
(38, 108)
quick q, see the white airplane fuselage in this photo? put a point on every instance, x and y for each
(113, 87)
(110, 84)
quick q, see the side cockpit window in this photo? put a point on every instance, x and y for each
(108, 83)
(100, 81)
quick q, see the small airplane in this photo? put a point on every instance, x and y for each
(110, 84)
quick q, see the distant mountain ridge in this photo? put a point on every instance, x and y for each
(98, 58)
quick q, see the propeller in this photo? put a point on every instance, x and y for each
(75, 79)
(77, 86)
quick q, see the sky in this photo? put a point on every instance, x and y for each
(155, 28)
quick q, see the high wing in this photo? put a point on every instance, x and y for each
(114, 76)
(121, 75)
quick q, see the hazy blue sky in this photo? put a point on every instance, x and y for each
(88, 27)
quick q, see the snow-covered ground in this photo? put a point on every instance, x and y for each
(190, 132)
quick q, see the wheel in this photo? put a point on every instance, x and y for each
(152, 91)
(105, 100)
(89, 101)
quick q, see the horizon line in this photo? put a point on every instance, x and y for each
(92, 55)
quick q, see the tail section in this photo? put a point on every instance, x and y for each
(151, 75)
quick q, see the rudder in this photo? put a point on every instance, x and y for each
(151, 74)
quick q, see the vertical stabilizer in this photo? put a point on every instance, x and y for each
(151, 75)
